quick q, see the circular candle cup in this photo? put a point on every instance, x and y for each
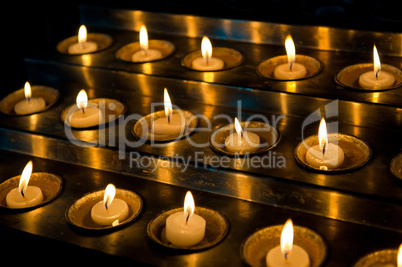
(378, 258)
(142, 128)
(50, 184)
(102, 40)
(231, 58)
(266, 68)
(349, 77)
(49, 94)
(269, 137)
(217, 227)
(111, 110)
(396, 166)
(254, 248)
(78, 214)
(126, 52)
(357, 152)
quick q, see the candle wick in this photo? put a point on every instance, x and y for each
(286, 256)
(242, 134)
(323, 150)
(83, 111)
(145, 52)
(22, 193)
(29, 99)
(188, 217)
(168, 118)
(377, 73)
(291, 66)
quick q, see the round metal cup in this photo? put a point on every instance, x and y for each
(142, 128)
(267, 67)
(79, 213)
(217, 227)
(112, 109)
(49, 94)
(357, 152)
(102, 40)
(378, 258)
(50, 184)
(396, 166)
(269, 137)
(126, 52)
(349, 77)
(254, 249)
(231, 58)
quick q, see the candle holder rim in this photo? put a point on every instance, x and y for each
(224, 151)
(54, 95)
(170, 49)
(360, 262)
(107, 228)
(368, 66)
(197, 247)
(63, 45)
(301, 162)
(314, 73)
(393, 165)
(56, 178)
(197, 53)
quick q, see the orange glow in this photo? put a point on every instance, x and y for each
(290, 51)
(287, 238)
(206, 49)
(189, 206)
(108, 197)
(25, 176)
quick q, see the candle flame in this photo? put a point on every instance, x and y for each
(377, 63)
(290, 51)
(399, 261)
(25, 176)
(82, 34)
(238, 128)
(144, 39)
(27, 91)
(189, 206)
(206, 49)
(287, 239)
(168, 105)
(322, 135)
(108, 197)
(82, 100)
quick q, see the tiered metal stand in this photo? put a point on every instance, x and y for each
(355, 212)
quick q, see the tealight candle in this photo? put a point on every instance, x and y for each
(24, 196)
(172, 124)
(287, 254)
(30, 104)
(376, 79)
(145, 54)
(242, 141)
(291, 70)
(84, 116)
(207, 62)
(185, 229)
(111, 210)
(83, 46)
(324, 155)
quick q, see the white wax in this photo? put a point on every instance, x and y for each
(118, 210)
(24, 106)
(151, 54)
(298, 258)
(384, 80)
(33, 196)
(86, 47)
(282, 72)
(185, 235)
(332, 158)
(91, 117)
(213, 64)
(248, 143)
(162, 126)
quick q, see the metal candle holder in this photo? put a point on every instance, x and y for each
(378, 258)
(126, 52)
(102, 40)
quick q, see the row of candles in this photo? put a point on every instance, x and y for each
(292, 70)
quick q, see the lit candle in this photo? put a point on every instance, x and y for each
(24, 196)
(242, 141)
(171, 124)
(185, 229)
(83, 46)
(291, 70)
(207, 62)
(85, 116)
(376, 79)
(399, 258)
(287, 254)
(111, 210)
(324, 155)
(145, 54)
(30, 104)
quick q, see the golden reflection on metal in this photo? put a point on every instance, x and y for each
(33, 122)
(208, 95)
(242, 185)
(38, 149)
(291, 86)
(147, 68)
(144, 85)
(334, 204)
(284, 103)
(192, 260)
(255, 33)
(94, 159)
(324, 38)
(87, 78)
(356, 116)
(191, 25)
(86, 60)
(376, 97)
(209, 77)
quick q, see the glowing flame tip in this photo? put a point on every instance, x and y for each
(287, 239)
(25, 176)
(206, 49)
(238, 128)
(82, 99)
(144, 39)
(377, 62)
(27, 91)
(82, 34)
(189, 206)
(290, 51)
(108, 197)
(322, 135)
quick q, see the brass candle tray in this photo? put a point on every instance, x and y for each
(386, 257)
(231, 58)
(102, 40)
(126, 52)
